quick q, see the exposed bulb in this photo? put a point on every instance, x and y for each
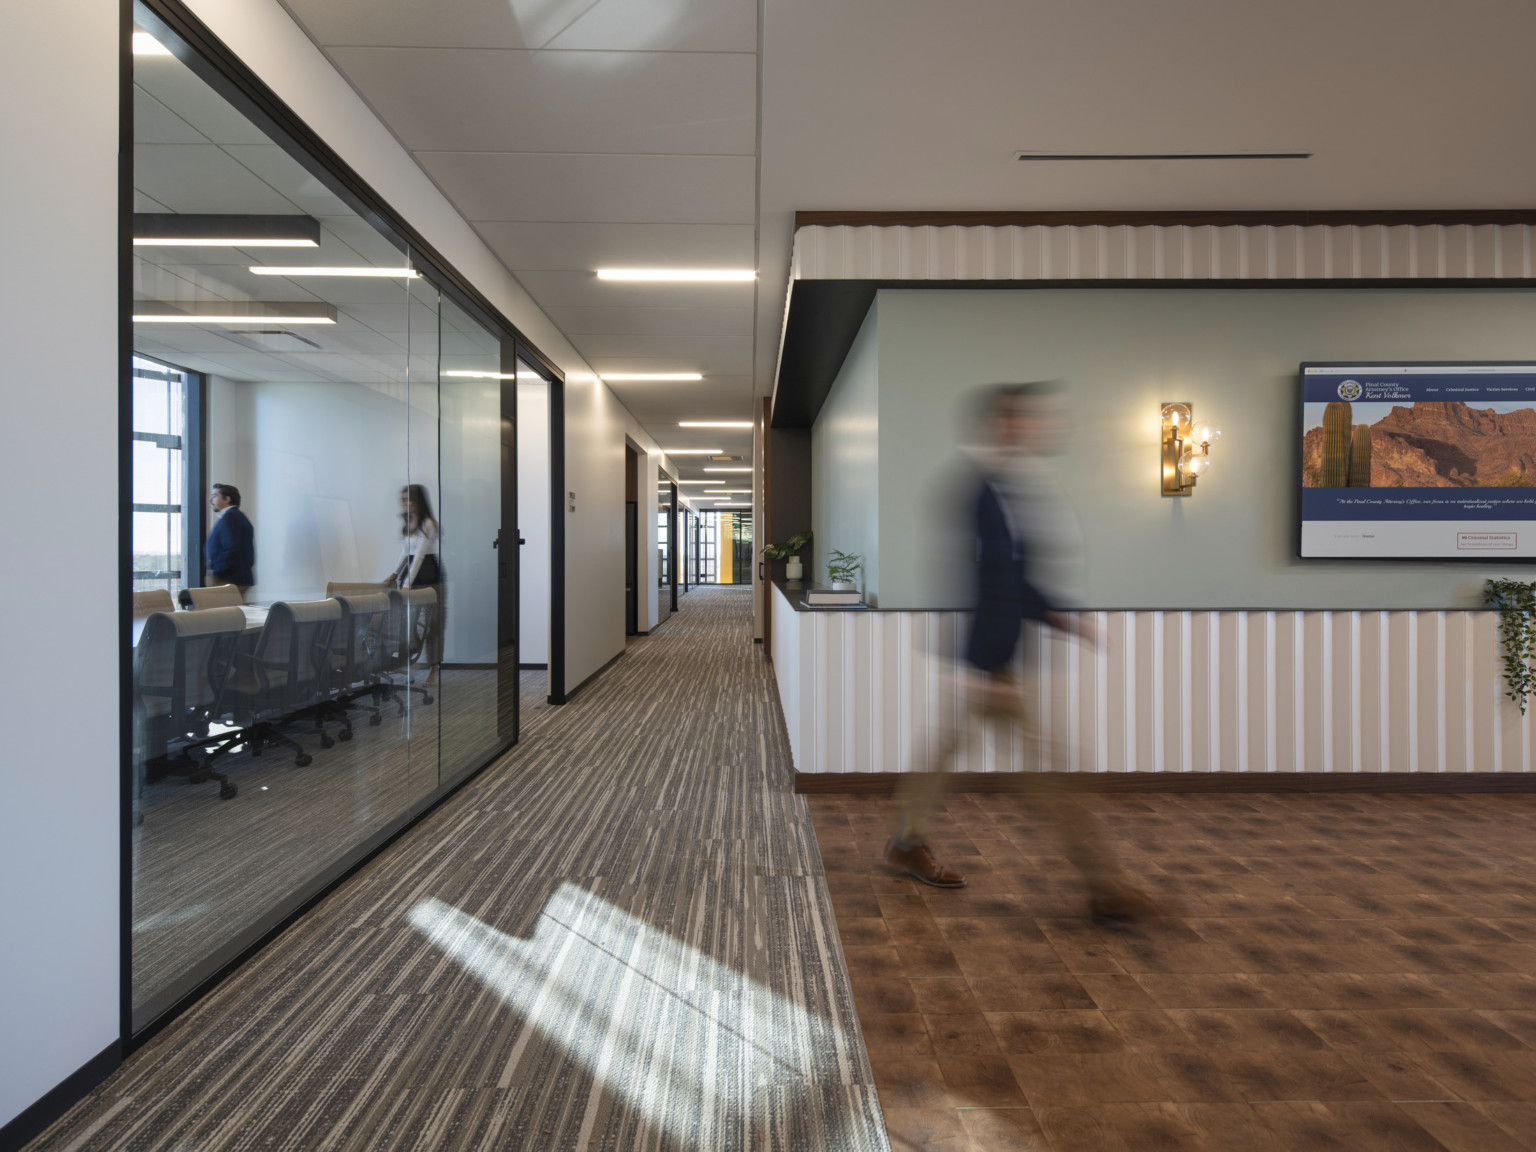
(1208, 434)
(1197, 465)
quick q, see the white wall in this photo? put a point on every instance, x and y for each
(263, 35)
(469, 510)
(59, 806)
(533, 520)
(1122, 352)
(846, 463)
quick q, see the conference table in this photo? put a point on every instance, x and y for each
(255, 620)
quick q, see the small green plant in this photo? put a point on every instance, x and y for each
(842, 567)
(1515, 601)
(787, 548)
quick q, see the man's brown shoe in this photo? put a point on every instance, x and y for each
(916, 861)
(1121, 905)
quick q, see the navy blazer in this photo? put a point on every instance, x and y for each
(231, 548)
(1004, 596)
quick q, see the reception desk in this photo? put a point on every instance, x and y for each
(1184, 700)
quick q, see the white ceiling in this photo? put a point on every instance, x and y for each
(577, 134)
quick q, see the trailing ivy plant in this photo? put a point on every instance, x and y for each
(1515, 602)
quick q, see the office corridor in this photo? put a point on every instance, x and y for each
(618, 937)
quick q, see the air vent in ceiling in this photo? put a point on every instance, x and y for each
(1162, 155)
(724, 458)
(273, 340)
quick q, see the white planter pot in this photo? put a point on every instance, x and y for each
(792, 569)
(844, 586)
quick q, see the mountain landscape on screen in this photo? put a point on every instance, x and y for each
(1428, 444)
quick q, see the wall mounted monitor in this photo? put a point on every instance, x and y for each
(1418, 461)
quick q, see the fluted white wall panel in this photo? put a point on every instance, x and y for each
(1163, 252)
(1165, 692)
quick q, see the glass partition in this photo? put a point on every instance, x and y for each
(666, 548)
(318, 483)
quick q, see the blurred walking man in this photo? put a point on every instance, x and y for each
(1014, 532)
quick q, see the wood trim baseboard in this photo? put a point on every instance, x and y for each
(1399, 783)
(1357, 217)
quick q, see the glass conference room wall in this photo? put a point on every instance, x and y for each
(330, 649)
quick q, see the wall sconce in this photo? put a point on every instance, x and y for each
(1186, 448)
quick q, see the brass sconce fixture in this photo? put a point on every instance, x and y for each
(1186, 448)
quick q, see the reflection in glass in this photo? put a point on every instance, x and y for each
(666, 544)
(281, 731)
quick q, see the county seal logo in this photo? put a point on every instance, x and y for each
(1350, 390)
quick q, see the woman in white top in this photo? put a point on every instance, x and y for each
(420, 567)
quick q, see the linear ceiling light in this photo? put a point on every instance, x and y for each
(239, 312)
(722, 504)
(1030, 156)
(698, 481)
(727, 469)
(280, 270)
(652, 375)
(465, 375)
(146, 45)
(714, 423)
(693, 452)
(196, 229)
(727, 491)
(695, 275)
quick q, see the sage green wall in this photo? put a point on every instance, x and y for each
(1233, 353)
(845, 463)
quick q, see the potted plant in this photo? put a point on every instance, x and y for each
(788, 551)
(842, 567)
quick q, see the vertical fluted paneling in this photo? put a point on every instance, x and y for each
(1173, 252)
(1164, 691)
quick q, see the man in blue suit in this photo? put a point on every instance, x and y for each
(1011, 534)
(230, 554)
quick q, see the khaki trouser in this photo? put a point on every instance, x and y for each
(1003, 700)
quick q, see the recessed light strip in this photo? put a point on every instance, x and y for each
(679, 275)
(466, 375)
(727, 469)
(279, 270)
(693, 452)
(1029, 156)
(714, 423)
(219, 230)
(650, 376)
(233, 312)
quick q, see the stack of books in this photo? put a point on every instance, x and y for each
(833, 598)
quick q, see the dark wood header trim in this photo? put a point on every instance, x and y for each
(1399, 783)
(1358, 217)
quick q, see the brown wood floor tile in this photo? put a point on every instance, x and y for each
(1461, 1127)
(912, 1082)
(926, 1130)
(897, 1034)
(1029, 993)
(862, 930)
(1061, 1031)
(944, 997)
(1519, 1120)
(882, 994)
(962, 1034)
(1115, 990)
(983, 1080)
(1003, 1130)
(1346, 1127)
(1068, 1079)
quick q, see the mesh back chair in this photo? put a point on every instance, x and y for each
(146, 604)
(181, 670)
(412, 612)
(219, 596)
(357, 659)
(286, 678)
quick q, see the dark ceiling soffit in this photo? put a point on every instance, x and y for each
(1359, 218)
(825, 315)
(214, 63)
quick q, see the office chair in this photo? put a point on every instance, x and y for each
(284, 679)
(146, 604)
(408, 608)
(357, 660)
(355, 588)
(181, 669)
(219, 596)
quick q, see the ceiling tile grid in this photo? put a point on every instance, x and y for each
(584, 134)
